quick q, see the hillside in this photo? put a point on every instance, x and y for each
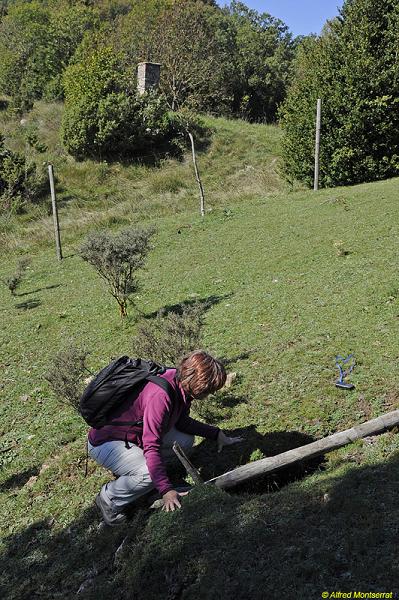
(293, 278)
(242, 160)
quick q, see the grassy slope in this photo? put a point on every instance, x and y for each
(242, 161)
(295, 278)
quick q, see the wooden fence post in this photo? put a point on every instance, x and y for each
(197, 176)
(55, 213)
(317, 147)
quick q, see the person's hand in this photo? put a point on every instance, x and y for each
(223, 440)
(171, 500)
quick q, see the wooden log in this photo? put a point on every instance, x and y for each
(331, 442)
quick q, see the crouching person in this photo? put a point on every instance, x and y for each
(137, 455)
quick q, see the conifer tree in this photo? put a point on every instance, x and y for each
(354, 68)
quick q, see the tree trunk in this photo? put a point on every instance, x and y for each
(123, 309)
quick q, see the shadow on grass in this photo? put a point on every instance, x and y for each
(339, 534)
(154, 159)
(154, 154)
(64, 199)
(67, 256)
(47, 287)
(17, 481)
(291, 545)
(233, 359)
(40, 563)
(28, 305)
(178, 309)
(254, 447)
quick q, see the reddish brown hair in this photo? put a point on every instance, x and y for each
(200, 374)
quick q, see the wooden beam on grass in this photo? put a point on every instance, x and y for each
(331, 442)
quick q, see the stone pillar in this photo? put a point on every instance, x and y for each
(148, 75)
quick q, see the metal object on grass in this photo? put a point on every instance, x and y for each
(340, 362)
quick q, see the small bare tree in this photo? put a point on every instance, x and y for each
(188, 51)
(67, 374)
(168, 337)
(13, 281)
(117, 258)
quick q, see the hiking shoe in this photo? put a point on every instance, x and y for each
(109, 515)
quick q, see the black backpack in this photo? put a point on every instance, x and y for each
(112, 385)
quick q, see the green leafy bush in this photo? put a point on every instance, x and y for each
(20, 182)
(105, 117)
(353, 68)
(32, 138)
(116, 258)
(36, 43)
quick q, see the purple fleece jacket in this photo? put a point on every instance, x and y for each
(159, 414)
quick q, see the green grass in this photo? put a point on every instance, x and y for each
(295, 278)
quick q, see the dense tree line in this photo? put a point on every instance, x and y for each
(228, 61)
(354, 68)
(231, 61)
(38, 40)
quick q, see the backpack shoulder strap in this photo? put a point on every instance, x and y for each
(162, 383)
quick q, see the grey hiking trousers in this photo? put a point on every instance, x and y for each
(130, 467)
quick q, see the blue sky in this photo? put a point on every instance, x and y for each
(301, 16)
